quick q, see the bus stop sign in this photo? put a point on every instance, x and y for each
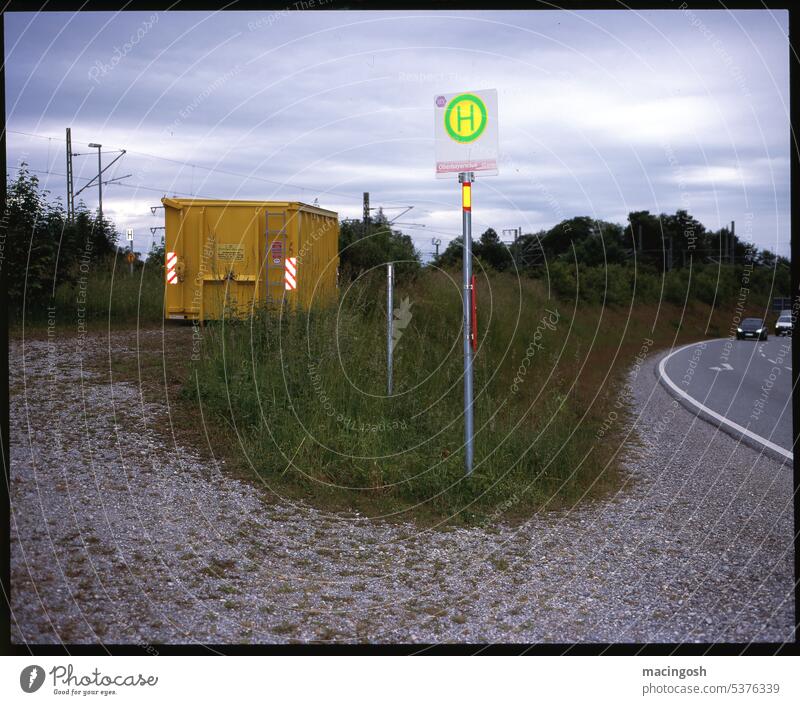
(466, 133)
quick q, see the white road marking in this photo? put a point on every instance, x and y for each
(725, 366)
(719, 417)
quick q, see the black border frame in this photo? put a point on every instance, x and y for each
(579, 649)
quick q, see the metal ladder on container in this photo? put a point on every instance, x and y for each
(273, 235)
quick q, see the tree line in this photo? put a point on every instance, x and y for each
(658, 242)
(43, 250)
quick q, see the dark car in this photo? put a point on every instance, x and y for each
(752, 328)
(783, 326)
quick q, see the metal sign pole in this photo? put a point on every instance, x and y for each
(466, 178)
(389, 324)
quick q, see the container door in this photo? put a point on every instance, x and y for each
(232, 261)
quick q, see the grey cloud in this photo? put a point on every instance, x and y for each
(590, 104)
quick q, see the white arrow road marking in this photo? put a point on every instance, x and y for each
(713, 414)
(725, 366)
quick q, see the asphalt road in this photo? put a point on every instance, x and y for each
(744, 385)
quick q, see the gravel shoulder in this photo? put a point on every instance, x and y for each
(118, 537)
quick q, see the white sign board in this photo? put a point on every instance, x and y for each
(129, 233)
(466, 132)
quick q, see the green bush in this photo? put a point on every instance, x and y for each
(307, 395)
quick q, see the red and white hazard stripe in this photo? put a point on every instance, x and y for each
(172, 275)
(290, 274)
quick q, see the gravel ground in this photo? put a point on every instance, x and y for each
(118, 537)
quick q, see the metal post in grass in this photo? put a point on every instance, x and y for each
(466, 178)
(389, 324)
(465, 131)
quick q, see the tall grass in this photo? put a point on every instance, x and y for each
(105, 295)
(305, 395)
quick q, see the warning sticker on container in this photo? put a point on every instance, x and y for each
(230, 253)
(277, 252)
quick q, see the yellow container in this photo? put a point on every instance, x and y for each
(225, 258)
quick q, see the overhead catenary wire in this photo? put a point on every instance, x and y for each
(113, 182)
(217, 170)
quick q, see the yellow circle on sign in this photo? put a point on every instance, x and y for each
(465, 117)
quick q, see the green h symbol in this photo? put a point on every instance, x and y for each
(463, 118)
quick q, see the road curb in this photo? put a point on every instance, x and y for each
(697, 409)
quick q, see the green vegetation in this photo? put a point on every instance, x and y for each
(71, 272)
(305, 396)
(659, 255)
(365, 248)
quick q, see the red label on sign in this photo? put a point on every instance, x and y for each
(277, 252)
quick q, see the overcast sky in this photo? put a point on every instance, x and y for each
(600, 113)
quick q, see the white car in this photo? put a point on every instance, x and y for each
(783, 326)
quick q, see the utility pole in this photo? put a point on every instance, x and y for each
(366, 210)
(99, 178)
(733, 242)
(640, 238)
(70, 185)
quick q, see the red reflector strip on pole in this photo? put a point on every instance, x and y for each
(172, 275)
(290, 274)
(466, 196)
(474, 315)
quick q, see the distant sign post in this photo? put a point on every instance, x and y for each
(465, 131)
(131, 258)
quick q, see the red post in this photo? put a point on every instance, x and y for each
(474, 315)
